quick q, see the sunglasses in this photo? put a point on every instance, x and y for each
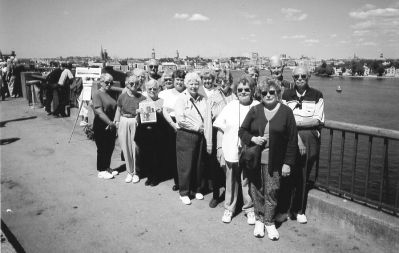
(133, 84)
(153, 66)
(109, 83)
(241, 90)
(168, 80)
(302, 76)
(271, 92)
(154, 89)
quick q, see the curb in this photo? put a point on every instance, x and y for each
(379, 227)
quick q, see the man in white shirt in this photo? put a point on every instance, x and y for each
(63, 89)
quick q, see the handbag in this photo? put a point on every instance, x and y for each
(250, 157)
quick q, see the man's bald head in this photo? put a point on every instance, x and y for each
(276, 68)
(275, 61)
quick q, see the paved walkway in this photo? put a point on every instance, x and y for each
(52, 201)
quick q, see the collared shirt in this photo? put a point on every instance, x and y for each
(170, 98)
(66, 73)
(218, 101)
(187, 116)
(308, 105)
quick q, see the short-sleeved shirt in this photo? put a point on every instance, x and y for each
(229, 121)
(128, 104)
(308, 105)
(66, 73)
(104, 101)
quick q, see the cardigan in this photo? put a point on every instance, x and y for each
(283, 135)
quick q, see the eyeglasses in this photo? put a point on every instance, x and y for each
(133, 83)
(271, 92)
(303, 76)
(153, 66)
(220, 81)
(245, 89)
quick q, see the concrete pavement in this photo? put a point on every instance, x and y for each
(52, 201)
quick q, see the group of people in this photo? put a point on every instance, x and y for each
(255, 138)
(10, 85)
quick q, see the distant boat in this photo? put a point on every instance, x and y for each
(339, 89)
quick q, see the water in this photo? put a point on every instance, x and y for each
(364, 101)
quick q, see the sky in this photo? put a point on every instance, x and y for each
(210, 28)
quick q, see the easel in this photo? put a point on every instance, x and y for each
(88, 75)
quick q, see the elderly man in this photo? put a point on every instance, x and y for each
(276, 72)
(153, 69)
(308, 107)
(253, 72)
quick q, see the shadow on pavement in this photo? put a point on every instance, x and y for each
(8, 141)
(11, 238)
(3, 123)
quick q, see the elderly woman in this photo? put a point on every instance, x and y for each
(271, 126)
(167, 80)
(217, 101)
(170, 96)
(228, 122)
(194, 121)
(208, 79)
(125, 118)
(150, 135)
(103, 126)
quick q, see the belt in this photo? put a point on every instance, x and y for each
(189, 131)
(127, 115)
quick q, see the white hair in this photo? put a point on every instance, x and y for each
(192, 76)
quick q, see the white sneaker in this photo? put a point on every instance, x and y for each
(259, 230)
(199, 196)
(272, 232)
(129, 178)
(114, 172)
(83, 123)
(301, 218)
(185, 199)
(105, 175)
(227, 216)
(251, 218)
(136, 179)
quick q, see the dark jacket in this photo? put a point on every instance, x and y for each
(283, 136)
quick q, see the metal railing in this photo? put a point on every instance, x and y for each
(382, 196)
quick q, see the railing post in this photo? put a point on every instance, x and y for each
(329, 157)
(355, 142)
(384, 170)
(342, 159)
(368, 165)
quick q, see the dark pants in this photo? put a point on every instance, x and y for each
(49, 96)
(170, 153)
(105, 141)
(150, 146)
(62, 91)
(217, 174)
(190, 167)
(302, 170)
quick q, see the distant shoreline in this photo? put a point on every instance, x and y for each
(360, 77)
